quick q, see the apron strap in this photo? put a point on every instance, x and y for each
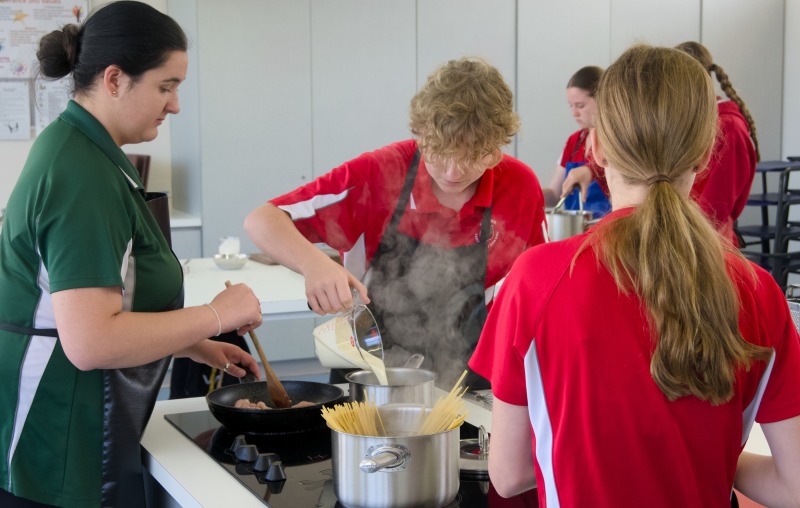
(578, 145)
(405, 193)
(26, 330)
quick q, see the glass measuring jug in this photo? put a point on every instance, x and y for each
(352, 339)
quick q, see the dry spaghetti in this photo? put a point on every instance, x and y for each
(364, 419)
(448, 412)
(359, 418)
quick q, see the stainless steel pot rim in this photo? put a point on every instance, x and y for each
(408, 377)
(398, 437)
(571, 213)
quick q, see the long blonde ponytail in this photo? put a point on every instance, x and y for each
(656, 120)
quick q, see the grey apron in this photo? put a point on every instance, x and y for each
(429, 299)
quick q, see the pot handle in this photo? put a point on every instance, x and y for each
(414, 361)
(562, 200)
(383, 457)
(248, 378)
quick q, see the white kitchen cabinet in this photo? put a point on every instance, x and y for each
(186, 242)
(554, 39)
(244, 132)
(186, 234)
(473, 28)
(280, 92)
(363, 63)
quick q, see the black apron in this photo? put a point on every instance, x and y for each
(429, 299)
(129, 396)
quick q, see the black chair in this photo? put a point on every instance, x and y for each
(142, 165)
(776, 231)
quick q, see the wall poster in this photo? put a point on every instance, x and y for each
(22, 24)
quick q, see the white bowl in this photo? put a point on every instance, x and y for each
(230, 261)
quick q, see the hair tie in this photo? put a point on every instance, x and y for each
(658, 178)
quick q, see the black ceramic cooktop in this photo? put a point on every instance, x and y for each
(304, 478)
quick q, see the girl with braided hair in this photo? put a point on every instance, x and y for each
(723, 188)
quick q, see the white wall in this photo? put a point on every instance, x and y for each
(791, 77)
(557, 38)
(308, 85)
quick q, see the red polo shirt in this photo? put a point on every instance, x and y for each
(562, 340)
(350, 207)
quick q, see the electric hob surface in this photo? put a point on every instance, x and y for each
(294, 470)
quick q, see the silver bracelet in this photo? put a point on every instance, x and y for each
(219, 321)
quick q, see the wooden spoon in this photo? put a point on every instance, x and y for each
(276, 390)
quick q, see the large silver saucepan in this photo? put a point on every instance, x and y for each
(563, 224)
(399, 470)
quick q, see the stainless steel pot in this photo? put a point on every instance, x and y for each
(563, 224)
(406, 385)
(400, 471)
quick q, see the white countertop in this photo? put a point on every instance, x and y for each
(280, 290)
(179, 219)
(193, 479)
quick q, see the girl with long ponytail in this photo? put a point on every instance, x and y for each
(647, 399)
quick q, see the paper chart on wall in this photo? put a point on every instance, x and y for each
(50, 99)
(15, 111)
(23, 23)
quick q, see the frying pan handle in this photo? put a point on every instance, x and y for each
(249, 377)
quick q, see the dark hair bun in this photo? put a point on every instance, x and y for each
(58, 52)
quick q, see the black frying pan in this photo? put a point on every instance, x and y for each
(269, 421)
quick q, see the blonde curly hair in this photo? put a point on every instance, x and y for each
(464, 111)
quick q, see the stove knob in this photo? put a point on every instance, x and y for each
(275, 487)
(247, 453)
(238, 442)
(265, 460)
(275, 473)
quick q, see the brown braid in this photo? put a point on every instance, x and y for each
(727, 87)
(703, 55)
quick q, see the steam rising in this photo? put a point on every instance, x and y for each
(422, 315)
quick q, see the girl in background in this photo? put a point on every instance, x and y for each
(581, 89)
(723, 188)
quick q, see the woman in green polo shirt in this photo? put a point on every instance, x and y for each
(91, 295)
